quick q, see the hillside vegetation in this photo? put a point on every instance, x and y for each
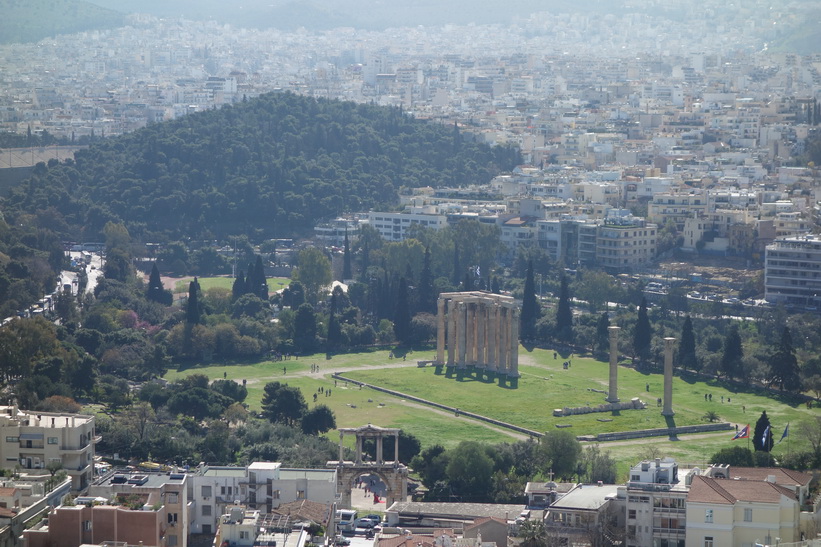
(33, 20)
(274, 165)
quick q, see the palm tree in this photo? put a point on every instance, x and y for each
(711, 416)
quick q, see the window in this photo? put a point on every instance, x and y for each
(206, 510)
(708, 516)
(52, 440)
(631, 514)
(708, 541)
(171, 541)
(243, 534)
(635, 477)
(12, 439)
(206, 492)
(275, 494)
(748, 515)
(172, 497)
(300, 494)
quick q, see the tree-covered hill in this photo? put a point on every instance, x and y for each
(33, 20)
(268, 166)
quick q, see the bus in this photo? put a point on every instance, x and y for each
(346, 520)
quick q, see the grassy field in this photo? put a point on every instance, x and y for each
(528, 402)
(181, 286)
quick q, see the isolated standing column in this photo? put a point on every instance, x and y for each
(668, 377)
(613, 393)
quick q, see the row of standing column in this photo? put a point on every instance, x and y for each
(478, 334)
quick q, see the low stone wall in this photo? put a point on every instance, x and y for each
(659, 432)
(632, 404)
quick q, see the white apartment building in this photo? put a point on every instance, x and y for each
(392, 226)
(213, 490)
(676, 207)
(792, 271)
(625, 243)
(32, 440)
(656, 504)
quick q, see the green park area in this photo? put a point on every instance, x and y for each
(528, 402)
(226, 282)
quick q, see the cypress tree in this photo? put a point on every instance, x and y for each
(238, 288)
(643, 333)
(334, 330)
(530, 306)
(784, 369)
(687, 347)
(733, 353)
(759, 443)
(427, 291)
(602, 333)
(564, 316)
(494, 286)
(193, 313)
(156, 292)
(366, 258)
(346, 260)
(402, 318)
(457, 267)
(259, 285)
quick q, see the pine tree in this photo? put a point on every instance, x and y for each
(643, 332)
(530, 306)
(402, 318)
(784, 369)
(427, 291)
(494, 286)
(733, 353)
(687, 347)
(238, 288)
(347, 272)
(193, 312)
(564, 316)
(759, 443)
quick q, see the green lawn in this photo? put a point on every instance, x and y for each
(226, 282)
(543, 386)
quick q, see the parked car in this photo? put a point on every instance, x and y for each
(365, 522)
(341, 541)
(376, 518)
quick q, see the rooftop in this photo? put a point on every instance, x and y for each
(586, 497)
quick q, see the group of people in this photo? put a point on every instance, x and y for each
(322, 390)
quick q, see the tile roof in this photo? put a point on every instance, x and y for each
(729, 491)
(782, 476)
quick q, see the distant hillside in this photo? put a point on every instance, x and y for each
(368, 14)
(33, 20)
(804, 39)
(269, 166)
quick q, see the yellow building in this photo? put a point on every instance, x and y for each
(741, 513)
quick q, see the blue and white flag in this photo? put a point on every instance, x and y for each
(785, 434)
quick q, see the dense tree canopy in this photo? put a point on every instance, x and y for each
(271, 165)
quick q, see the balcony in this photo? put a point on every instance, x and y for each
(78, 470)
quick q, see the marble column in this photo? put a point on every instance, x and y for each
(492, 333)
(513, 368)
(452, 335)
(379, 450)
(470, 333)
(481, 334)
(613, 392)
(461, 331)
(668, 377)
(440, 331)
